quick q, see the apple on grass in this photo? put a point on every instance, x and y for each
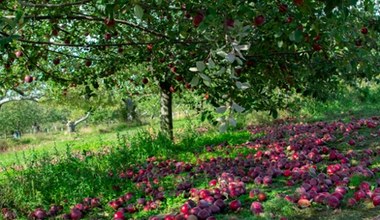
(235, 205)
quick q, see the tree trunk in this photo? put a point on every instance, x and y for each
(70, 127)
(166, 117)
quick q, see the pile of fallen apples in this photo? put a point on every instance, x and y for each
(304, 156)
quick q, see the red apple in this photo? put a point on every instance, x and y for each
(262, 196)
(229, 22)
(107, 36)
(287, 173)
(145, 81)
(317, 47)
(289, 19)
(95, 202)
(109, 22)
(256, 208)
(56, 61)
(359, 195)
(352, 142)
(283, 8)
(149, 47)
(204, 214)
(333, 202)
(173, 69)
(169, 217)
(19, 53)
(179, 78)
(119, 215)
(351, 202)
(75, 214)
(235, 205)
(365, 186)
(55, 32)
(364, 30)
(376, 200)
(28, 79)
(88, 63)
(213, 182)
(185, 209)
(298, 2)
(198, 19)
(259, 20)
(40, 214)
(172, 89)
(303, 203)
(188, 85)
(115, 204)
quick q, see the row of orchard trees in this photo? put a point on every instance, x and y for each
(27, 116)
(240, 54)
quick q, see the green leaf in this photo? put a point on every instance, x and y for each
(206, 79)
(221, 71)
(232, 121)
(139, 11)
(230, 57)
(200, 66)
(194, 81)
(242, 86)
(222, 53)
(296, 36)
(280, 43)
(221, 109)
(211, 63)
(223, 127)
(237, 108)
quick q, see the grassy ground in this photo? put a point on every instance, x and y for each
(87, 139)
(65, 172)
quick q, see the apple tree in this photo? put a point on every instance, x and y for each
(239, 54)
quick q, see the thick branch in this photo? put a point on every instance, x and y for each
(89, 18)
(28, 4)
(82, 119)
(18, 98)
(81, 45)
(106, 45)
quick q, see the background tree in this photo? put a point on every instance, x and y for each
(241, 54)
(23, 115)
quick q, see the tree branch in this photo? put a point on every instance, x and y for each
(82, 119)
(28, 4)
(81, 45)
(18, 98)
(105, 45)
(89, 18)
